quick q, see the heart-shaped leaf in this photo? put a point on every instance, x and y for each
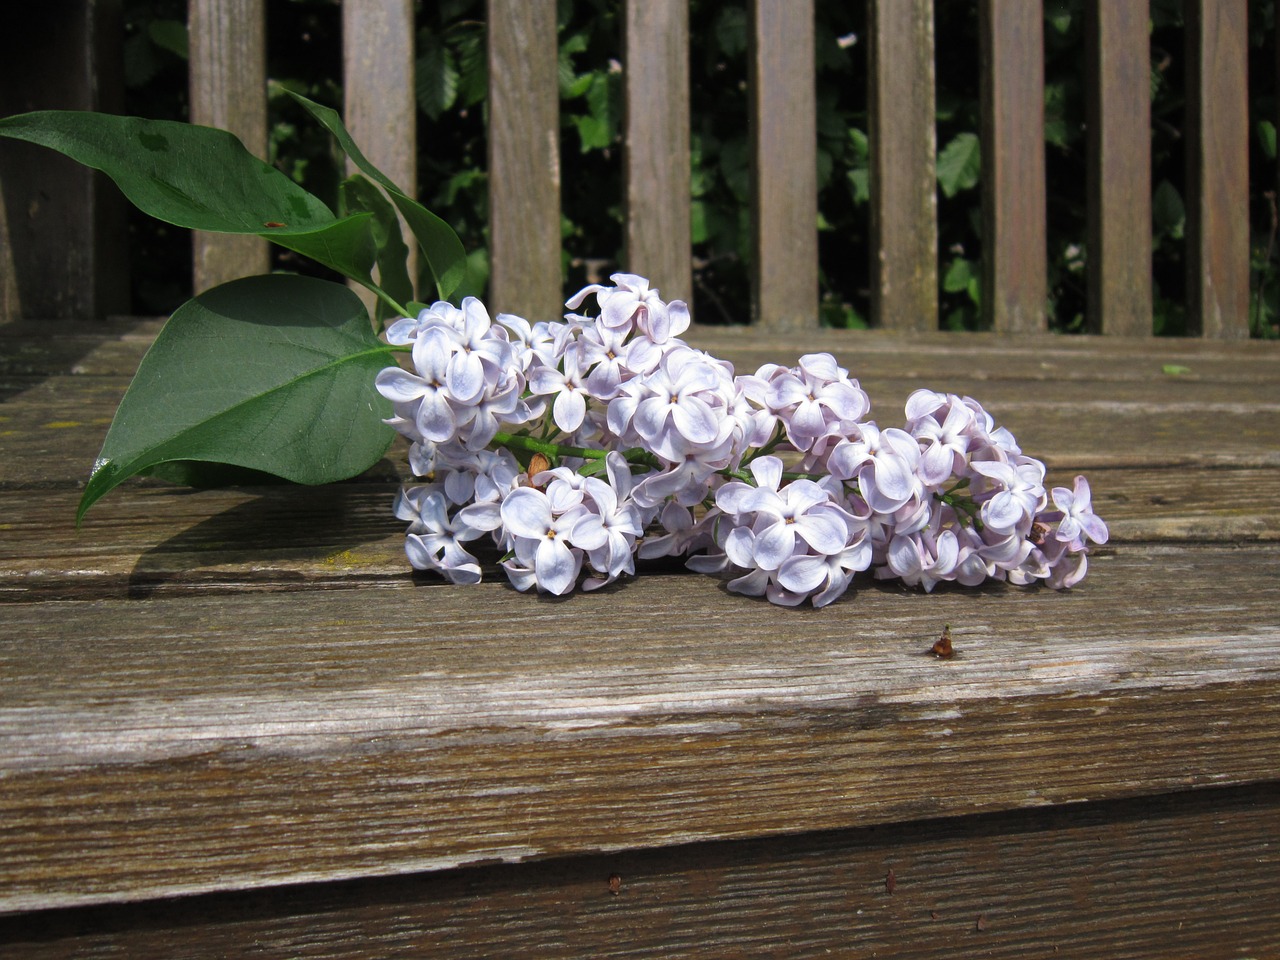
(269, 373)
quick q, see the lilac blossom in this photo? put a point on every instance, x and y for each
(579, 447)
(541, 539)
(1078, 519)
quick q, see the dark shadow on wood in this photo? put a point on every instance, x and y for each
(947, 873)
(282, 521)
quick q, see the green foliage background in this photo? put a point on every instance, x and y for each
(305, 56)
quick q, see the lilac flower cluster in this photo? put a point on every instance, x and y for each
(578, 446)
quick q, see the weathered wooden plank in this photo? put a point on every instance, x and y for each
(658, 171)
(115, 346)
(1078, 402)
(201, 743)
(378, 85)
(1179, 875)
(1119, 144)
(61, 224)
(524, 160)
(1014, 250)
(1217, 168)
(229, 90)
(166, 541)
(904, 215)
(784, 181)
(50, 433)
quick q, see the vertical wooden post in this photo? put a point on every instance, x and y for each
(62, 225)
(1015, 251)
(904, 205)
(229, 91)
(1217, 168)
(784, 168)
(658, 224)
(1119, 186)
(524, 159)
(379, 107)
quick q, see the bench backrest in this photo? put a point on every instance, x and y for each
(228, 90)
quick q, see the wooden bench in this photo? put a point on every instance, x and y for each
(234, 721)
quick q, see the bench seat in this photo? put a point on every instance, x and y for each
(236, 717)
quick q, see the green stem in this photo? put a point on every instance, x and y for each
(779, 434)
(553, 450)
(385, 298)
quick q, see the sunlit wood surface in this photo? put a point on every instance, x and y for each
(244, 699)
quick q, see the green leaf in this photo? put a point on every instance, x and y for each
(473, 67)
(731, 31)
(959, 164)
(1175, 369)
(271, 373)
(181, 173)
(442, 253)
(861, 146)
(170, 35)
(860, 185)
(346, 245)
(1168, 213)
(593, 132)
(735, 163)
(1058, 14)
(1267, 138)
(572, 85)
(435, 77)
(392, 254)
(958, 275)
(203, 178)
(478, 271)
(698, 222)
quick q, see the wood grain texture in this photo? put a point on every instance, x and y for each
(658, 166)
(379, 106)
(1014, 253)
(1077, 402)
(1217, 168)
(115, 346)
(904, 216)
(61, 224)
(244, 690)
(1166, 876)
(263, 739)
(153, 541)
(1119, 145)
(229, 91)
(524, 160)
(784, 166)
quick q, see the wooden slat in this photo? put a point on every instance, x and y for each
(904, 216)
(1075, 401)
(378, 91)
(114, 348)
(158, 541)
(229, 91)
(200, 743)
(1217, 168)
(238, 690)
(784, 165)
(524, 160)
(1119, 134)
(1161, 877)
(656, 40)
(1013, 186)
(62, 226)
